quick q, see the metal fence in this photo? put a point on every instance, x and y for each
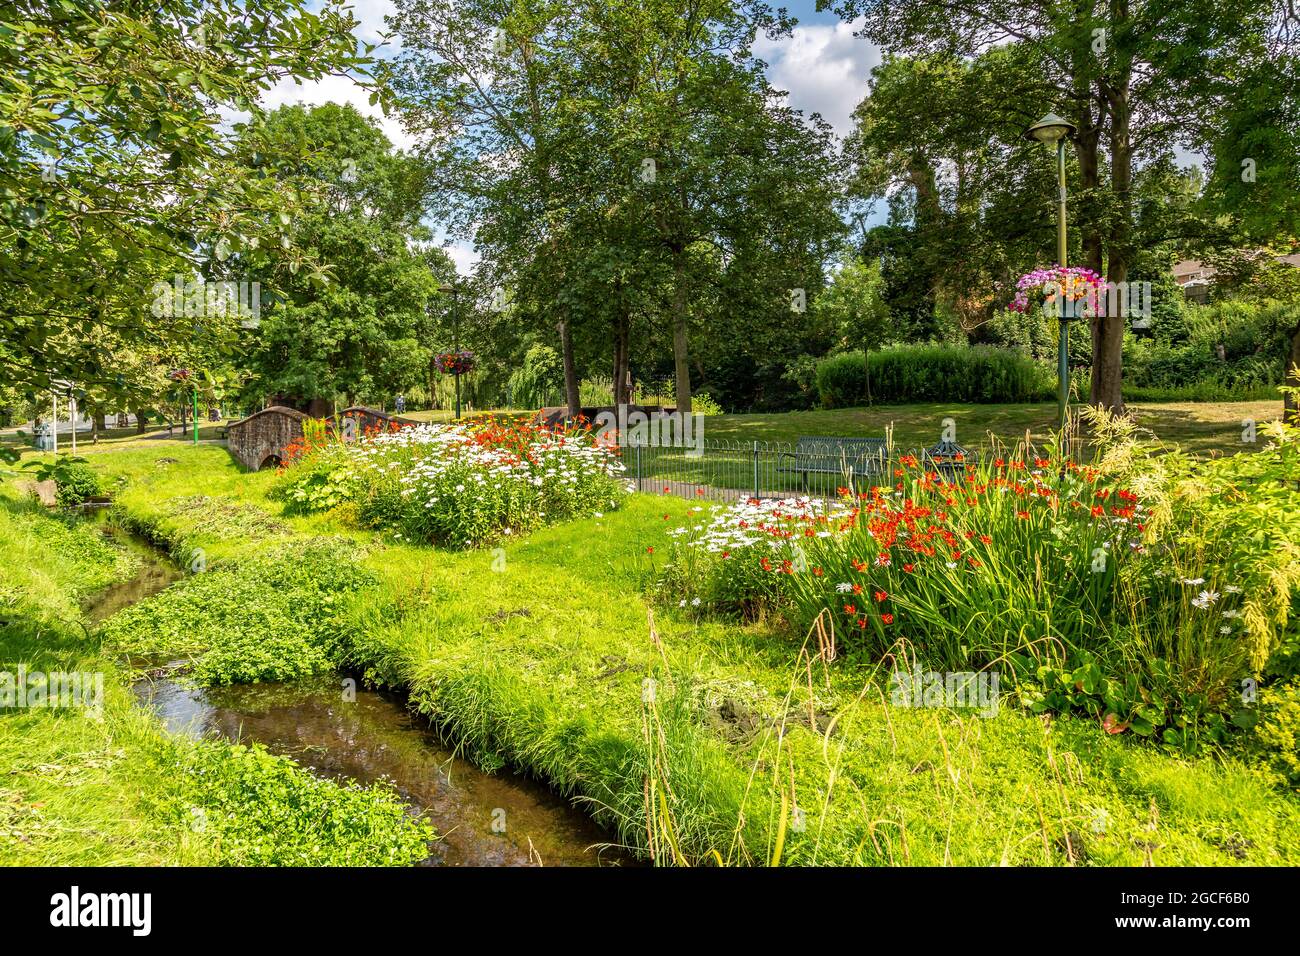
(715, 470)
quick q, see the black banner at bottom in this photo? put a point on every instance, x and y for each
(342, 905)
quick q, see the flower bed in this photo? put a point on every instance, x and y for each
(456, 485)
(1136, 589)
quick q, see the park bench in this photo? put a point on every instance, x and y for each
(849, 458)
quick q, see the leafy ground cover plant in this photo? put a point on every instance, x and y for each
(270, 617)
(265, 810)
(457, 485)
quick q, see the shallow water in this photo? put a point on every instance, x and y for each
(156, 573)
(498, 819)
(484, 819)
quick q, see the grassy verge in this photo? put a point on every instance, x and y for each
(104, 785)
(709, 741)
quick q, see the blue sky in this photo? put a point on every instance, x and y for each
(823, 68)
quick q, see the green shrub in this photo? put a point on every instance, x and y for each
(1227, 351)
(1276, 734)
(841, 380)
(76, 484)
(932, 373)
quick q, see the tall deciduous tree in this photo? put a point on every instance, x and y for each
(114, 162)
(1137, 77)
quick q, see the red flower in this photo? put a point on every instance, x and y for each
(985, 539)
(887, 619)
(850, 609)
(881, 595)
(1023, 515)
(650, 550)
(909, 568)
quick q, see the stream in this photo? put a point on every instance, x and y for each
(497, 819)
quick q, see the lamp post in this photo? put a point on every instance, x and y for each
(455, 333)
(1053, 130)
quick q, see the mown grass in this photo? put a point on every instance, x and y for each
(537, 656)
(106, 786)
(1204, 427)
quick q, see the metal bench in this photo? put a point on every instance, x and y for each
(850, 458)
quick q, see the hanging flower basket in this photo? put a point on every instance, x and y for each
(1059, 290)
(455, 363)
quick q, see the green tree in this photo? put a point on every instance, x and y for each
(115, 167)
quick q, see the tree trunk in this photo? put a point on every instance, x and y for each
(621, 359)
(1108, 355)
(572, 396)
(681, 350)
(139, 421)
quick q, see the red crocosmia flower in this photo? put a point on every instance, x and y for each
(1098, 511)
(862, 622)
(699, 491)
(886, 618)
(767, 565)
(650, 550)
(881, 596)
(985, 539)
(667, 489)
(1023, 514)
(857, 589)
(666, 517)
(850, 609)
(909, 568)
(726, 554)
(973, 563)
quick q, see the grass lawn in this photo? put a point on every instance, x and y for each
(1203, 427)
(538, 655)
(105, 786)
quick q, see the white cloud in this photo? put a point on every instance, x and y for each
(464, 255)
(824, 69)
(336, 89)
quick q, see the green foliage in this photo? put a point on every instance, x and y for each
(130, 117)
(114, 789)
(1275, 735)
(1227, 351)
(272, 617)
(854, 306)
(538, 378)
(931, 373)
(77, 483)
(265, 810)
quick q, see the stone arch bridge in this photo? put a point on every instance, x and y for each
(262, 438)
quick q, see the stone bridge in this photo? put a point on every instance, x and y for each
(261, 439)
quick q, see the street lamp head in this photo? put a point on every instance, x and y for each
(446, 287)
(1050, 129)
